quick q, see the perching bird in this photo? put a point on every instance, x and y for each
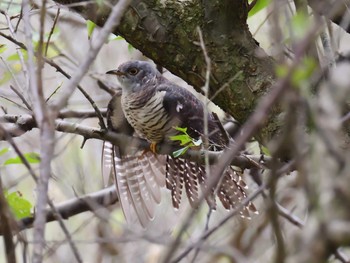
(138, 175)
(153, 106)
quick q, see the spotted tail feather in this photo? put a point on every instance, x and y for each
(181, 173)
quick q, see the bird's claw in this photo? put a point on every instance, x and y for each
(153, 147)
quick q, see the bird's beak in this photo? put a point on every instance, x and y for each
(115, 72)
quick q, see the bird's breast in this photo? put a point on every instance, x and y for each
(149, 118)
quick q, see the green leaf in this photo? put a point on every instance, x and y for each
(113, 37)
(260, 5)
(116, 37)
(180, 152)
(183, 130)
(183, 138)
(281, 71)
(304, 71)
(3, 151)
(265, 150)
(130, 48)
(30, 157)
(19, 206)
(15, 56)
(90, 27)
(2, 48)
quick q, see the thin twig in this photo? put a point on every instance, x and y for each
(252, 4)
(13, 102)
(206, 228)
(19, 94)
(226, 85)
(280, 253)
(289, 216)
(341, 256)
(52, 30)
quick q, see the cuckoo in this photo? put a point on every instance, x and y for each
(150, 107)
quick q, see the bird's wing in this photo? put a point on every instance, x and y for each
(188, 110)
(182, 105)
(138, 176)
(138, 180)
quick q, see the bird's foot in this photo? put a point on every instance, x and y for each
(153, 147)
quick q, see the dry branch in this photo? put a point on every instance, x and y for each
(67, 209)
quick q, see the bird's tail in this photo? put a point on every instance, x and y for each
(182, 173)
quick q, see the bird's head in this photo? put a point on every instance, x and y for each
(132, 75)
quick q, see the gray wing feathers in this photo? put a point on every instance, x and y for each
(138, 181)
(138, 176)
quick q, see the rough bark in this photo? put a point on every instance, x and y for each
(166, 32)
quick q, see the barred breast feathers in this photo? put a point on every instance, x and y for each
(149, 118)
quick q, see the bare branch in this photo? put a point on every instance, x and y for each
(26, 122)
(67, 209)
(52, 30)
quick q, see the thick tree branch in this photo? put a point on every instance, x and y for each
(26, 122)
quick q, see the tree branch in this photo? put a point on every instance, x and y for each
(90, 202)
(26, 122)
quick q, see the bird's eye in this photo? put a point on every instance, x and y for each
(133, 71)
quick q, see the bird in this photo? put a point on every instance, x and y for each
(152, 108)
(138, 175)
